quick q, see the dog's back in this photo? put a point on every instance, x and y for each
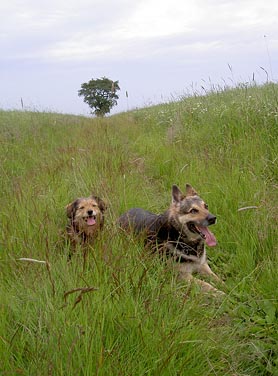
(140, 220)
(156, 228)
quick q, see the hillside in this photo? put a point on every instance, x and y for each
(138, 319)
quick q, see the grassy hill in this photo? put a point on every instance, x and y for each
(138, 319)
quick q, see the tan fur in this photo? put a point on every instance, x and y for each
(180, 233)
(199, 264)
(86, 219)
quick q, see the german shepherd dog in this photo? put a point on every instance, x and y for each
(86, 219)
(180, 233)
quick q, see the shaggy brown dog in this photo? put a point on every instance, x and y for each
(180, 233)
(86, 219)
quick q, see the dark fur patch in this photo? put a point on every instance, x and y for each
(163, 233)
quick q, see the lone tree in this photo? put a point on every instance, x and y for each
(100, 95)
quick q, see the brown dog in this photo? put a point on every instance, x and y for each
(86, 219)
(180, 233)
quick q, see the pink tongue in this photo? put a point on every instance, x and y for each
(210, 238)
(91, 221)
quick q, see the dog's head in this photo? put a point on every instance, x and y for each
(87, 214)
(191, 215)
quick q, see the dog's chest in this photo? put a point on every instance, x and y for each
(191, 248)
(90, 230)
(194, 251)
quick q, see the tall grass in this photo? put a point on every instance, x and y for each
(123, 312)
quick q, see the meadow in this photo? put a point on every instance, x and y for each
(121, 311)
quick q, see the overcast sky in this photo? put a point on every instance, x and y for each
(158, 50)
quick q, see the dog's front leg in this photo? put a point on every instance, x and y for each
(205, 286)
(204, 269)
(185, 273)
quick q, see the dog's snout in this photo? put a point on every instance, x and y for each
(90, 212)
(211, 219)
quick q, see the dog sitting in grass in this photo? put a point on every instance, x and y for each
(86, 219)
(180, 233)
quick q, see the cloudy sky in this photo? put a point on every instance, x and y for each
(158, 49)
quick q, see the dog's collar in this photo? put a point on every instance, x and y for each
(193, 249)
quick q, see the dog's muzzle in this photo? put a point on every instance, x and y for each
(211, 219)
(90, 219)
(203, 231)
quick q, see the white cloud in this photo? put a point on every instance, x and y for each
(138, 42)
(85, 30)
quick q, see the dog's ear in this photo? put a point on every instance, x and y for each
(177, 195)
(71, 208)
(101, 203)
(190, 191)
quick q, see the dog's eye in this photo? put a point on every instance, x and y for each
(81, 208)
(193, 211)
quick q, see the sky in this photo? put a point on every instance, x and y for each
(158, 50)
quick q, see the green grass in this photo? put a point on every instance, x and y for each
(138, 319)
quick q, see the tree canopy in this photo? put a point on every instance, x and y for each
(100, 94)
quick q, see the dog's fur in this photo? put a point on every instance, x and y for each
(86, 219)
(180, 233)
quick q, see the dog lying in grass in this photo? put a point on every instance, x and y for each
(86, 219)
(180, 233)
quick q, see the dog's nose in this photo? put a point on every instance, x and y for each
(90, 212)
(211, 219)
